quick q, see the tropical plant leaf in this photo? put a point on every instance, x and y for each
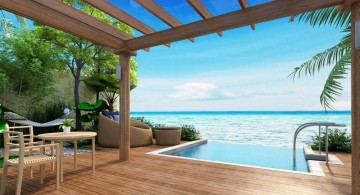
(332, 86)
(323, 59)
(327, 16)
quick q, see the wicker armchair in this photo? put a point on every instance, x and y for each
(108, 134)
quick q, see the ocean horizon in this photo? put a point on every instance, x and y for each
(249, 111)
(268, 128)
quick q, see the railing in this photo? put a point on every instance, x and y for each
(319, 124)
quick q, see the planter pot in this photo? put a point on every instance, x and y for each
(67, 130)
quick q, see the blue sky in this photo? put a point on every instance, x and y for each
(243, 70)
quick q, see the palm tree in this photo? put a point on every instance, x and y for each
(338, 57)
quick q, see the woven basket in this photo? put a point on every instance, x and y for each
(168, 136)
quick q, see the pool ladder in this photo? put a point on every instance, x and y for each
(318, 124)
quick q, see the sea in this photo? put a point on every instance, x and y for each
(266, 128)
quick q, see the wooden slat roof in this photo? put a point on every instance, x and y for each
(63, 17)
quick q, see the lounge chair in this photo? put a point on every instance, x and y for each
(108, 133)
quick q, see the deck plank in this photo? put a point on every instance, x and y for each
(149, 174)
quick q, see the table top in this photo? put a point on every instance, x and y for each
(67, 136)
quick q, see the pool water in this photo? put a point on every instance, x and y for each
(254, 155)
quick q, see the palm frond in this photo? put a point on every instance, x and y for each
(332, 86)
(323, 59)
(327, 16)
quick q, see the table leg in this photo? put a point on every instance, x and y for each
(93, 154)
(61, 148)
(75, 154)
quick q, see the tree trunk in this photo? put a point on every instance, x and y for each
(77, 98)
(111, 106)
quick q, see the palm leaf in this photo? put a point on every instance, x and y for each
(332, 86)
(323, 59)
(327, 16)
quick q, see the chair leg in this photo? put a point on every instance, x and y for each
(42, 173)
(57, 173)
(52, 154)
(3, 179)
(19, 180)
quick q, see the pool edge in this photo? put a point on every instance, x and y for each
(313, 165)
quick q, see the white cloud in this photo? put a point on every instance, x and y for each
(199, 91)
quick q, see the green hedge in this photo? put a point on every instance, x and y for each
(339, 141)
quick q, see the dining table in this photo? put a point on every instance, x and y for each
(62, 137)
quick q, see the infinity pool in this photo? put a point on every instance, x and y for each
(254, 155)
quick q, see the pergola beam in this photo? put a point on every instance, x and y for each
(84, 18)
(59, 20)
(201, 9)
(257, 14)
(244, 5)
(161, 13)
(346, 6)
(121, 15)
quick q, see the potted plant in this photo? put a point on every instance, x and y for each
(67, 124)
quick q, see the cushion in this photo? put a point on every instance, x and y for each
(116, 117)
(108, 114)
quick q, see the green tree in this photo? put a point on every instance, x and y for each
(81, 57)
(337, 57)
(104, 83)
(7, 28)
(27, 65)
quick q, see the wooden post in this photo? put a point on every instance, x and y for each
(124, 140)
(355, 102)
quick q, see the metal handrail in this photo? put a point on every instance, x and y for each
(319, 124)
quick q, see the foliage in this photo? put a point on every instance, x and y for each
(108, 86)
(93, 111)
(51, 111)
(7, 28)
(81, 57)
(189, 133)
(338, 57)
(339, 141)
(27, 64)
(67, 123)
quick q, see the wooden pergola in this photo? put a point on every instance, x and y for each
(56, 14)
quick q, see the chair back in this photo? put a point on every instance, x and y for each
(14, 140)
(28, 135)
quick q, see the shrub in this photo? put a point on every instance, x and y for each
(189, 133)
(48, 113)
(339, 141)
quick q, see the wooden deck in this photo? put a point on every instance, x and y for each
(149, 174)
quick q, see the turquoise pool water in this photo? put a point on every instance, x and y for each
(245, 154)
